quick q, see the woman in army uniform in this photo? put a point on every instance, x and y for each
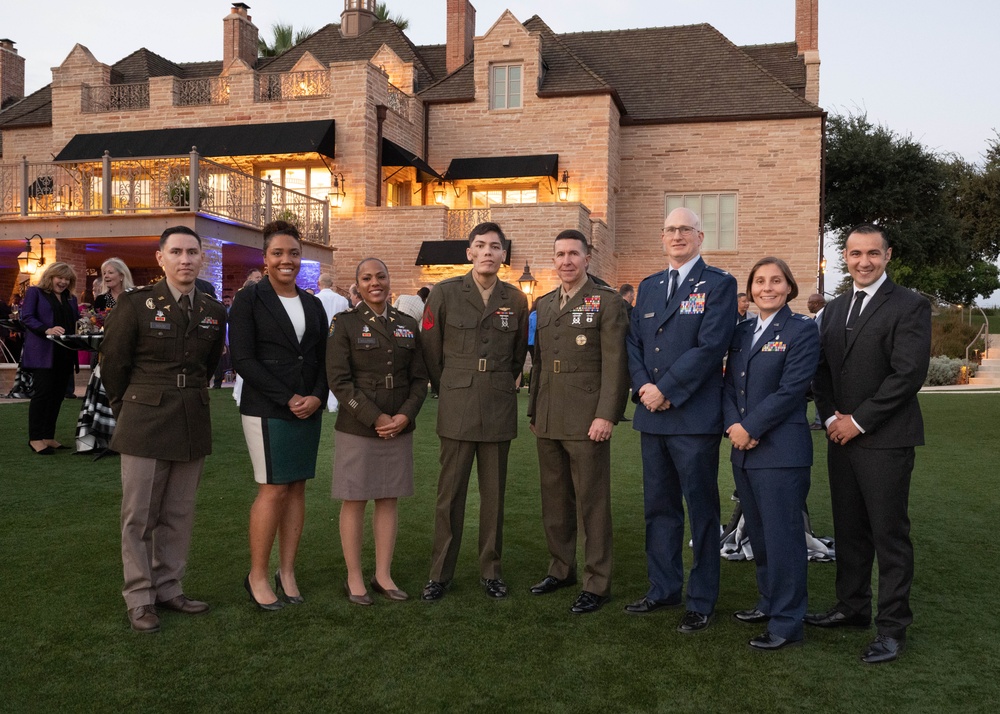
(376, 370)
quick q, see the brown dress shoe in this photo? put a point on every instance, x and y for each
(144, 619)
(184, 604)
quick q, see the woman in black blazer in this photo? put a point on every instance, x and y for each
(277, 337)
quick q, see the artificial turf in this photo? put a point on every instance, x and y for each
(65, 644)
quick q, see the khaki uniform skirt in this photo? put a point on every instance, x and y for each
(366, 468)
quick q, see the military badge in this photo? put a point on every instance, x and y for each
(150, 304)
(428, 322)
(581, 340)
(774, 346)
(694, 305)
(577, 318)
(160, 317)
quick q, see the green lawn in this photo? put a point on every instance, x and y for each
(65, 644)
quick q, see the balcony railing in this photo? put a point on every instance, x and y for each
(143, 186)
(291, 85)
(115, 98)
(461, 221)
(207, 90)
(399, 102)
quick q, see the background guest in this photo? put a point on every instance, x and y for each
(278, 342)
(116, 278)
(771, 364)
(49, 309)
(375, 367)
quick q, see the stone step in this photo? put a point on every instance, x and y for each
(985, 381)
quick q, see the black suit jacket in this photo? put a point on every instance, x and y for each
(874, 375)
(265, 352)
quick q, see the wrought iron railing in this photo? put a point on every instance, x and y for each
(462, 221)
(115, 97)
(399, 102)
(207, 90)
(291, 85)
(135, 186)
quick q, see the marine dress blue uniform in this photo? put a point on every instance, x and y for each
(765, 392)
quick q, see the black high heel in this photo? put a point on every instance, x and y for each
(47, 451)
(290, 599)
(267, 606)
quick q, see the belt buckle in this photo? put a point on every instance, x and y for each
(482, 364)
(556, 367)
(388, 381)
(181, 381)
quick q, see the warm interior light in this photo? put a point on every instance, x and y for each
(337, 192)
(439, 193)
(563, 188)
(27, 261)
(527, 281)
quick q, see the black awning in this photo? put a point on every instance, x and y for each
(395, 155)
(490, 167)
(237, 140)
(448, 252)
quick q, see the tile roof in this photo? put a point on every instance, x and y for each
(459, 86)
(782, 61)
(33, 110)
(328, 46)
(685, 73)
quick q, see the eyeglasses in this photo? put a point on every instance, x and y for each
(685, 231)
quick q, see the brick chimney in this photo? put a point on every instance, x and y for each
(239, 36)
(807, 41)
(357, 18)
(11, 74)
(461, 33)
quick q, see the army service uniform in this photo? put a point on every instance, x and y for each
(155, 365)
(578, 374)
(474, 354)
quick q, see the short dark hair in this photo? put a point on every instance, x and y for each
(573, 234)
(782, 266)
(280, 228)
(626, 289)
(739, 295)
(423, 292)
(178, 229)
(357, 270)
(868, 229)
(488, 227)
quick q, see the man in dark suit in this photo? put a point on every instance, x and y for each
(475, 338)
(875, 352)
(681, 327)
(161, 344)
(579, 384)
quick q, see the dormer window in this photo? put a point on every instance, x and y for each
(505, 86)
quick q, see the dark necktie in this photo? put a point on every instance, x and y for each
(185, 305)
(859, 300)
(383, 321)
(674, 276)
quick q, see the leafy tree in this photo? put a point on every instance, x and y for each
(285, 38)
(382, 15)
(920, 199)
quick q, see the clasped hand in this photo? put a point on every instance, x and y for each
(842, 429)
(741, 438)
(303, 407)
(388, 426)
(652, 398)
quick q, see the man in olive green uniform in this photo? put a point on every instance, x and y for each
(475, 338)
(161, 344)
(579, 383)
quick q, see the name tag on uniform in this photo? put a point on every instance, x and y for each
(370, 340)
(694, 305)
(160, 325)
(649, 314)
(774, 346)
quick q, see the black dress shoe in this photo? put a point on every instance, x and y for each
(433, 590)
(752, 617)
(495, 588)
(882, 649)
(693, 622)
(769, 642)
(646, 606)
(282, 595)
(266, 606)
(550, 584)
(835, 618)
(588, 602)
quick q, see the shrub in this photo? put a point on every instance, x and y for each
(949, 335)
(945, 370)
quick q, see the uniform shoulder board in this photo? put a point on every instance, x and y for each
(800, 316)
(718, 271)
(139, 289)
(660, 274)
(447, 281)
(605, 288)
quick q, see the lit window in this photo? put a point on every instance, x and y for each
(718, 216)
(484, 198)
(311, 180)
(505, 86)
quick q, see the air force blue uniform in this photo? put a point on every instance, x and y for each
(678, 346)
(765, 392)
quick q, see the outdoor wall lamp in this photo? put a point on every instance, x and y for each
(822, 266)
(337, 192)
(563, 187)
(439, 193)
(27, 261)
(527, 281)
